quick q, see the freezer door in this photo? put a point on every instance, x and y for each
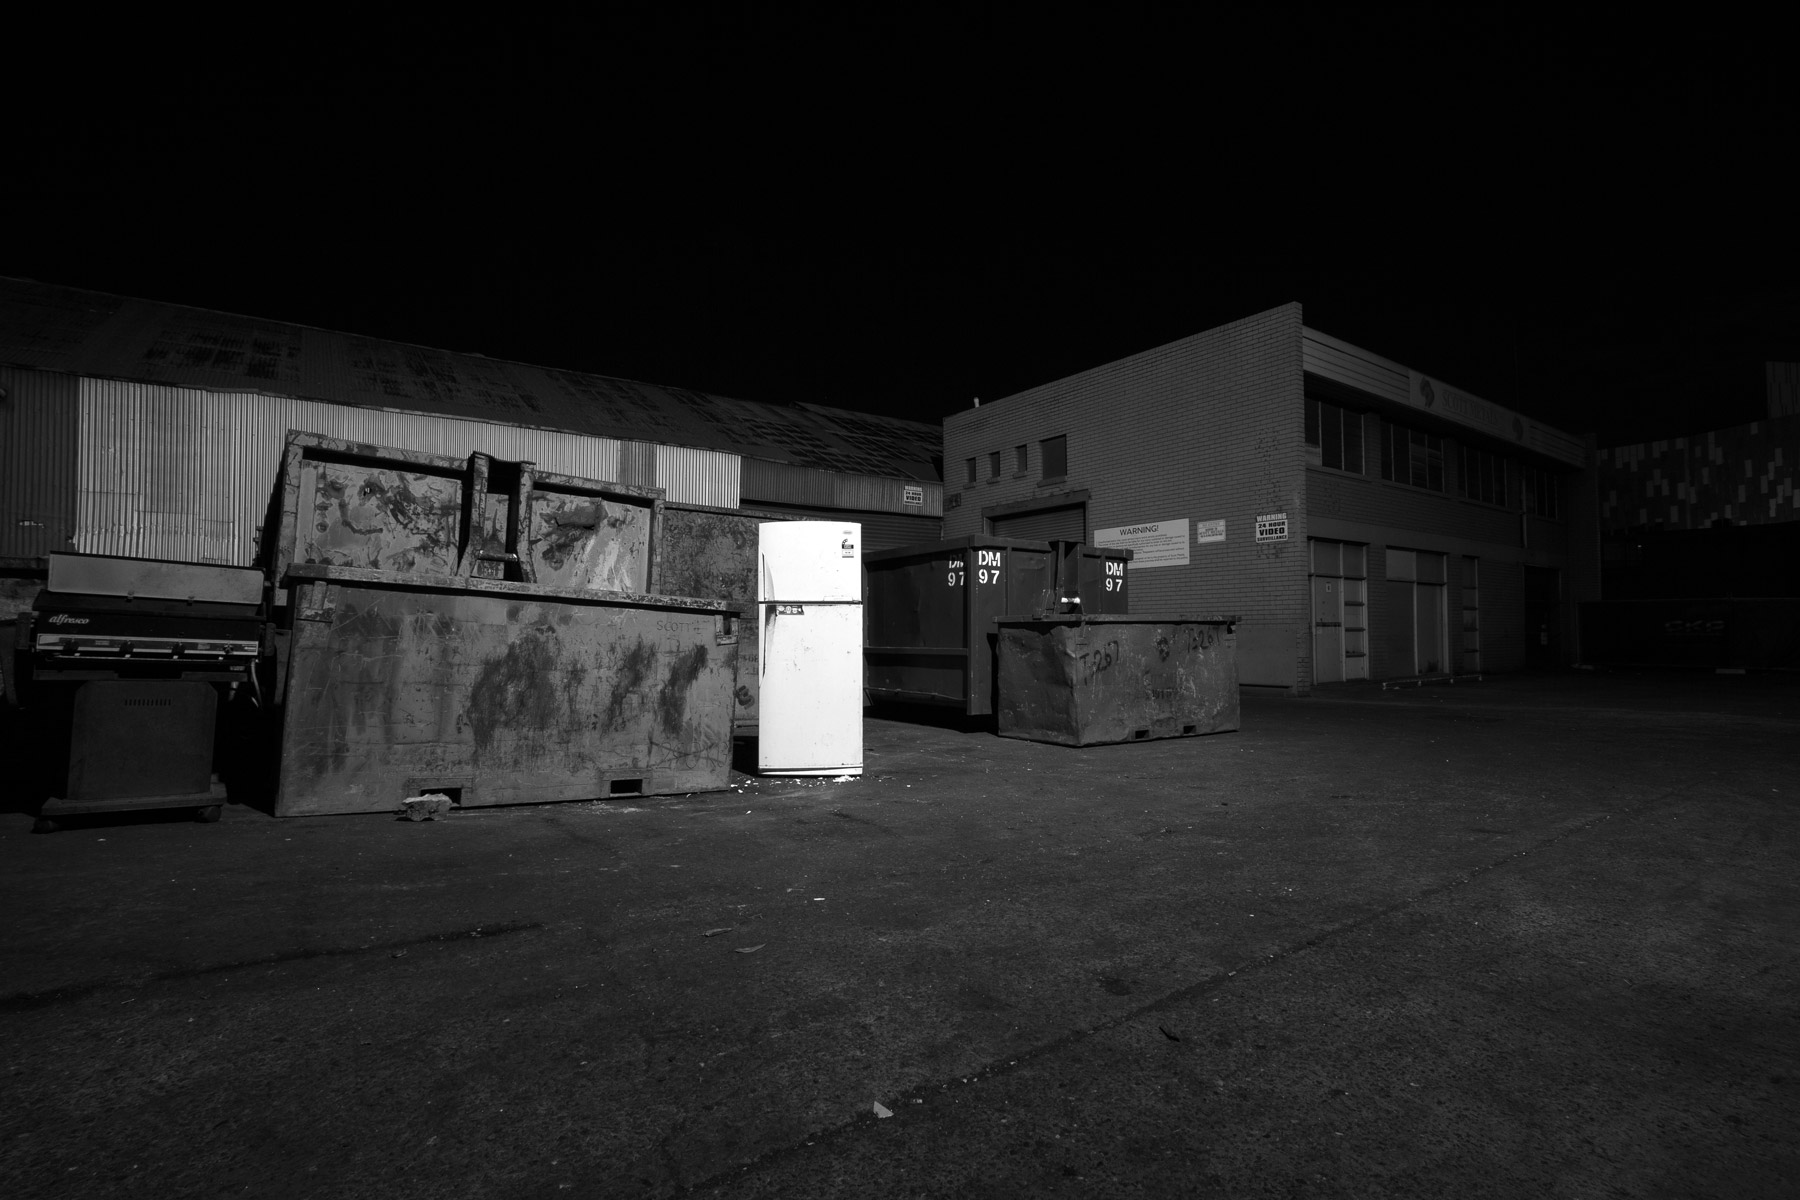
(810, 560)
(812, 685)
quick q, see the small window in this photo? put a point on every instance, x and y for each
(1019, 461)
(1541, 489)
(1482, 476)
(970, 464)
(1055, 452)
(993, 464)
(1412, 456)
(1336, 433)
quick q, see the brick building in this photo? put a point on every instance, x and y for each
(1365, 521)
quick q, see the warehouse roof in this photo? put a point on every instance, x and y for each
(114, 337)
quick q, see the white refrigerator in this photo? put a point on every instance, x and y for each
(809, 605)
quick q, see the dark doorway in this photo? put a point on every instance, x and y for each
(1543, 617)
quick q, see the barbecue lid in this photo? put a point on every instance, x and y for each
(153, 579)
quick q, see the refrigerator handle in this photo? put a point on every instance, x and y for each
(762, 649)
(768, 579)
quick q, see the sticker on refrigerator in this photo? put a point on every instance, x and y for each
(790, 610)
(849, 547)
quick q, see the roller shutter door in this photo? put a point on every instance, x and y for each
(1065, 524)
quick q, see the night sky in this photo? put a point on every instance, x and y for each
(896, 213)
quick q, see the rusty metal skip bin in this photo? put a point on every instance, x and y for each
(1082, 680)
(479, 629)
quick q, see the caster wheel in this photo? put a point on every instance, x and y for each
(207, 815)
(43, 825)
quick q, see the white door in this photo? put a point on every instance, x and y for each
(812, 689)
(810, 560)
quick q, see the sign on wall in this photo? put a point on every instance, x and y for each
(1152, 543)
(1208, 531)
(1271, 527)
(913, 494)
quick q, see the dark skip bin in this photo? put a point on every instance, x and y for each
(1083, 680)
(1090, 579)
(485, 630)
(930, 616)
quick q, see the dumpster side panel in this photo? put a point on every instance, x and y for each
(1082, 684)
(1036, 692)
(918, 627)
(593, 543)
(1002, 581)
(713, 555)
(931, 616)
(381, 518)
(508, 699)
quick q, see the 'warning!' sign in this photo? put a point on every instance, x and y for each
(1271, 527)
(1153, 543)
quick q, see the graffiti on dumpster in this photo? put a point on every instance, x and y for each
(1089, 663)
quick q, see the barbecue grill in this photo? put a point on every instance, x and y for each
(128, 660)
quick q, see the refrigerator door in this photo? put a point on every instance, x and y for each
(810, 560)
(812, 689)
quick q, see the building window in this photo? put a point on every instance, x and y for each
(1482, 476)
(1019, 462)
(1055, 454)
(970, 465)
(993, 464)
(1413, 457)
(1541, 493)
(1337, 434)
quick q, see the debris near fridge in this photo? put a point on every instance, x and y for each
(428, 807)
(751, 949)
(881, 1110)
(717, 932)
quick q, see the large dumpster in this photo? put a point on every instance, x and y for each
(930, 616)
(1090, 579)
(711, 552)
(1079, 680)
(478, 628)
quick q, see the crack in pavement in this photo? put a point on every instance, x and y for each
(68, 994)
(1181, 995)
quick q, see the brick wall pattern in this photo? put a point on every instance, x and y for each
(1205, 428)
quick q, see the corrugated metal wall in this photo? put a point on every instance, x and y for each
(692, 476)
(880, 531)
(181, 473)
(38, 434)
(782, 483)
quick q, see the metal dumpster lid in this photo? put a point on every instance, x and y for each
(152, 579)
(478, 585)
(962, 544)
(1150, 618)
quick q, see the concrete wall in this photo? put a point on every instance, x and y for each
(1206, 428)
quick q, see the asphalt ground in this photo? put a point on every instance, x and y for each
(1531, 936)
